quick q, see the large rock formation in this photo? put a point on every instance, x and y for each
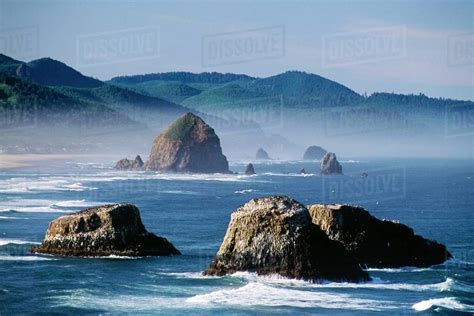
(127, 164)
(374, 242)
(276, 235)
(115, 229)
(314, 153)
(188, 145)
(329, 165)
(249, 170)
(262, 154)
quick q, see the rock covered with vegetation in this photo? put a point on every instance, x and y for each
(188, 145)
(114, 229)
(376, 243)
(314, 153)
(275, 234)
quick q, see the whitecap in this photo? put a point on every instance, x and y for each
(445, 302)
(374, 284)
(245, 191)
(4, 242)
(24, 258)
(258, 294)
(191, 275)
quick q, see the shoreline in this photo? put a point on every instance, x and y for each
(15, 161)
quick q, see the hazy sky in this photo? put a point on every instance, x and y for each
(400, 46)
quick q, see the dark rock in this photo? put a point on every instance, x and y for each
(376, 243)
(188, 145)
(329, 165)
(364, 174)
(115, 229)
(249, 170)
(276, 235)
(303, 171)
(262, 154)
(127, 164)
(314, 153)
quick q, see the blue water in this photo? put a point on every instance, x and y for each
(435, 197)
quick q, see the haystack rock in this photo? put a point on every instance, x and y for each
(188, 145)
(249, 170)
(262, 154)
(376, 243)
(128, 164)
(115, 229)
(276, 235)
(314, 153)
(329, 165)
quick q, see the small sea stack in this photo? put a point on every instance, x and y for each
(128, 164)
(329, 165)
(275, 234)
(188, 145)
(314, 153)
(262, 154)
(114, 229)
(249, 170)
(374, 242)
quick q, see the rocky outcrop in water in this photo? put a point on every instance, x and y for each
(276, 235)
(188, 145)
(249, 170)
(376, 243)
(314, 153)
(115, 229)
(262, 154)
(329, 165)
(128, 164)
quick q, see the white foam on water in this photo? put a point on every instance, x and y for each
(349, 161)
(274, 174)
(42, 184)
(275, 279)
(24, 258)
(258, 294)
(11, 217)
(115, 257)
(45, 206)
(398, 270)
(191, 275)
(445, 302)
(76, 203)
(245, 191)
(4, 242)
(179, 192)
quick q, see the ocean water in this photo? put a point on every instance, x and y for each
(434, 197)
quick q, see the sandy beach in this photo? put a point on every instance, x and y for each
(9, 161)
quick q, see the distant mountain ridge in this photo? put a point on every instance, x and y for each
(289, 107)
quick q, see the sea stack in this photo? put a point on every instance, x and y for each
(376, 243)
(249, 170)
(329, 165)
(275, 234)
(114, 229)
(314, 153)
(262, 154)
(127, 164)
(188, 145)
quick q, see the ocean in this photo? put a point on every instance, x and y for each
(433, 196)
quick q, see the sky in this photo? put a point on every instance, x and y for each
(369, 46)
